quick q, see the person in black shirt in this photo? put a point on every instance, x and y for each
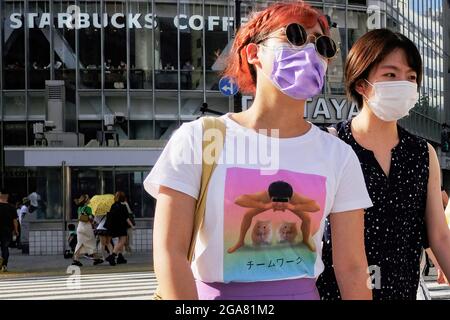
(382, 75)
(8, 227)
(117, 223)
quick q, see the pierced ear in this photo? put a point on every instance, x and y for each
(252, 53)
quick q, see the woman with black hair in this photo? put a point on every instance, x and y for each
(117, 224)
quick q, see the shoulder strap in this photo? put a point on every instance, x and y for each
(216, 131)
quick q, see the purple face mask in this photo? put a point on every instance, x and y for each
(298, 73)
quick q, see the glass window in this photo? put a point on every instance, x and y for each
(16, 181)
(13, 45)
(218, 102)
(166, 44)
(36, 106)
(191, 102)
(131, 182)
(335, 72)
(90, 130)
(90, 47)
(141, 129)
(47, 183)
(165, 128)
(136, 192)
(14, 106)
(115, 49)
(166, 105)
(15, 133)
(141, 116)
(141, 45)
(217, 42)
(65, 58)
(141, 106)
(90, 107)
(354, 2)
(116, 104)
(356, 26)
(191, 25)
(39, 44)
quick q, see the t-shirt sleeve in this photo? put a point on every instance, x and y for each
(88, 211)
(179, 165)
(351, 193)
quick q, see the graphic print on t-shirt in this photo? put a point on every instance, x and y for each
(269, 224)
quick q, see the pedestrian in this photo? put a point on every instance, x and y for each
(382, 75)
(22, 211)
(8, 228)
(85, 233)
(117, 224)
(280, 56)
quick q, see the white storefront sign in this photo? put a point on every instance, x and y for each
(73, 18)
(321, 109)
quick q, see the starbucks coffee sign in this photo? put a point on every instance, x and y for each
(73, 18)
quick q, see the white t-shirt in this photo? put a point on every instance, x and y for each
(316, 166)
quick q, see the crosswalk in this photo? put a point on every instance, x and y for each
(114, 286)
(111, 286)
(437, 291)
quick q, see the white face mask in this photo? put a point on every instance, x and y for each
(392, 100)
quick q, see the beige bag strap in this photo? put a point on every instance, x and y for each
(207, 170)
(208, 123)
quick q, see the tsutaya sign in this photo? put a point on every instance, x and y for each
(321, 109)
(73, 18)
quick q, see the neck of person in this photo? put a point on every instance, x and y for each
(271, 109)
(372, 130)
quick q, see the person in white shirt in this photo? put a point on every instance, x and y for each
(276, 58)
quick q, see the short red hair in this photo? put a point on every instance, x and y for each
(259, 26)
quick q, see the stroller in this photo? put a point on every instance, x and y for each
(72, 240)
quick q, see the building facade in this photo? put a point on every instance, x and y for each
(133, 71)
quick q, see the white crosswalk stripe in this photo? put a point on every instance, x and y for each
(111, 286)
(114, 286)
(437, 291)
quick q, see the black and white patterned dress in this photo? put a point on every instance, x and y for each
(395, 231)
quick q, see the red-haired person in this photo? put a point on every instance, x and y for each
(280, 56)
(382, 74)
